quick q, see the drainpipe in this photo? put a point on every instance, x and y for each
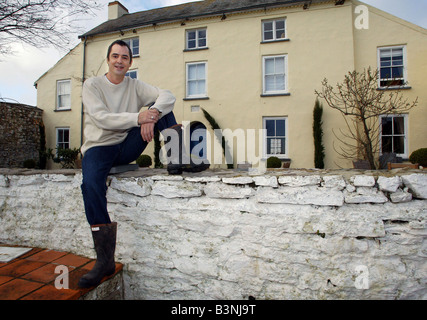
(83, 80)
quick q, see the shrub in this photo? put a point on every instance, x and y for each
(144, 160)
(319, 150)
(66, 157)
(29, 164)
(274, 162)
(419, 156)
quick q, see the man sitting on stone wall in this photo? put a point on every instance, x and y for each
(116, 133)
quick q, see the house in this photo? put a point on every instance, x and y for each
(254, 66)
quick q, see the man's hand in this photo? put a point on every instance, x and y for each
(147, 119)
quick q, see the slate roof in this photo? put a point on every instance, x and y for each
(188, 11)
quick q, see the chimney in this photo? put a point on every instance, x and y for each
(116, 10)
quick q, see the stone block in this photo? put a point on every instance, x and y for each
(389, 184)
(225, 191)
(265, 181)
(301, 195)
(400, 196)
(176, 189)
(417, 183)
(334, 181)
(136, 186)
(237, 180)
(363, 181)
(300, 181)
(365, 195)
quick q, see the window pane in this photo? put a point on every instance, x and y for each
(268, 35)
(200, 71)
(191, 35)
(385, 53)
(191, 39)
(397, 72)
(201, 85)
(397, 53)
(269, 66)
(280, 24)
(279, 83)
(387, 128)
(191, 44)
(60, 136)
(135, 47)
(385, 62)
(268, 26)
(202, 34)
(399, 127)
(398, 144)
(386, 144)
(270, 126)
(64, 87)
(269, 83)
(280, 128)
(398, 62)
(192, 72)
(202, 43)
(192, 88)
(385, 73)
(280, 65)
(280, 29)
(66, 135)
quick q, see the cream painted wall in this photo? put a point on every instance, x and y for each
(68, 68)
(322, 43)
(386, 30)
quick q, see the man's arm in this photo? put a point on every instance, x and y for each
(160, 99)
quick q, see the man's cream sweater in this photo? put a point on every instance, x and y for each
(111, 110)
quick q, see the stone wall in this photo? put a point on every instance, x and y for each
(19, 134)
(285, 234)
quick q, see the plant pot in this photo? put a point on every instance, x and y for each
(286, 164)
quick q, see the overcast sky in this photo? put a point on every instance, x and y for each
(19, 71)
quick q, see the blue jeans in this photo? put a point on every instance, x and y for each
(98, 161)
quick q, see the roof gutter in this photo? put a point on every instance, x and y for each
(83, 80)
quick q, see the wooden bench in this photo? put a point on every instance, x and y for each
(391, 165)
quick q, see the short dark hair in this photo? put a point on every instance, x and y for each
(120, 43)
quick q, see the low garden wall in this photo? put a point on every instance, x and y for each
(284, 234)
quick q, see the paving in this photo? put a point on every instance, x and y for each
(43, 274)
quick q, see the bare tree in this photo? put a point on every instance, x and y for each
(41, 23)
(361, 103)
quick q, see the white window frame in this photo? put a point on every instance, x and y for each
(405, 73)
(66, 143)
(201, 95)
(405, 135)
(198, 46)
(132, 72)
(285, 74)
(59, 106)
(274, 22)
(264, 126)
(131, 42)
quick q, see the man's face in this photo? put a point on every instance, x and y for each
(119, 60)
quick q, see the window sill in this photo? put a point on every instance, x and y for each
(196, 49)
(195, 98)
(394, 88)
(275, 94)
(61, 110)
(274, 41)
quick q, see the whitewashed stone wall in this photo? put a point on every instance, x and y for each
(293, 234)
